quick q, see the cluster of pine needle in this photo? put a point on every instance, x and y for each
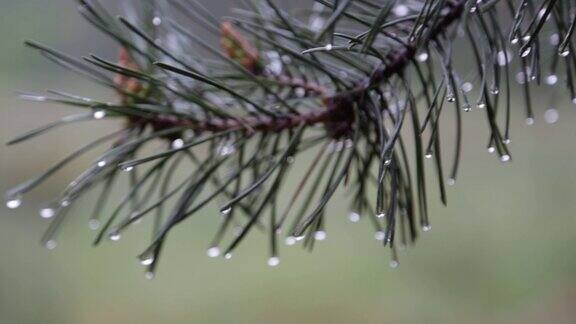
(346, 94)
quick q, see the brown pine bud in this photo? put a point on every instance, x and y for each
(237, 48)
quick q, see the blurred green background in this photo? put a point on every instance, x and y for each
(503, 251)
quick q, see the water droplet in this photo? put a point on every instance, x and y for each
(394, 264)
(551, 116)
(99, 114)
(467, 107)
(428, 155)
(213, 252)
(177, 144)
(427, 228)
(551, 79)
(529, 121)
(273, 261)
(227, 149)
(554, 39)
(380, 236)
(65, 203)
(422, 57)
(387, 162)
(93, 224)
(506, 141)
(451, 181)
(115, 237)
(14, 203)
(300, 238)
(481, 105)
(50, 244)
(503, 58)
(505, 158)
(491, 149)
(290, 160)
(515, 41)
(401, 10)
(149, 275)
(467, 87)
(495, 91)
(320, 235)
(290, 240)
(329, 47)
(450, 98)
(101, 164)
(381, 215)
(47, 212)
(226, 211)
(147, 260)
(526, 38)
(565, 53)
(156, 21)
(228, 256)
(300, 92)
(128, 169)
(354, 217)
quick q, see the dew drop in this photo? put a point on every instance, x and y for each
(227, 211)
(93, 224)
(115, 237)
(177, 144)
(380, 236)
(128, 169)
(149, 275)
(14, 203)
(428, 155)
(329, 47)
(506, 141)
(394, 264)
(401, 10)
(47, 213)
(495, 91)
(491, 149)
(529, 121)
(273, 261)
(450, 98)
(481, 105)
(451, 181)
(551, 79)
(380, 215)
(300, 238)
(387, 162)
(354, 217)
(99, 114)
(320, 235)
(290, 240)
(65, 203)
(50, 244)
(551, 116)
(565, 53)
(467, 107)
(554, 39)
(467, 87)
(290, 160)
(228, 256)
(101, 164)
(147, 260)
(426, 228)
(213, 252)
(156, 21)
(505, 158)
(422, 57)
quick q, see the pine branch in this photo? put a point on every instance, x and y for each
(349, 80)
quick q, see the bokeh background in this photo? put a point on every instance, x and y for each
(503, 251)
